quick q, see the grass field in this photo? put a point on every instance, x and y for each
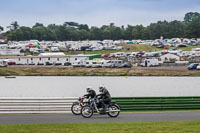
(127, 48)
(137, 127)
(70, 71)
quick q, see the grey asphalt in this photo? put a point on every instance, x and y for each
(123, 117)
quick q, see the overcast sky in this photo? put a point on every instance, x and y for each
(94, 12)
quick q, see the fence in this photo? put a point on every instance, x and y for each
(36, 105)
(63, 105)
(158, 103)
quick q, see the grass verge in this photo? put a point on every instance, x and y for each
(69, 71)
(137, 127)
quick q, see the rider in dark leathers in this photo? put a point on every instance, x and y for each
(90, 93)
(104, 96)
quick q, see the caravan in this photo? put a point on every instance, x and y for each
(150, 62)
(77, 63)
(92, 63)
(3, 63)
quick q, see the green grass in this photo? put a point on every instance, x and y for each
(137, 127)
(132, 47)
(189, 48)
(92, 52)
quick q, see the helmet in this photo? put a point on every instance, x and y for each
(101, 88)
(89, 88)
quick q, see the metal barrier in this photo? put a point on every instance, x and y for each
(158, 103)
(63, 104)
(36, 105)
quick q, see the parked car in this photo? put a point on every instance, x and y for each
(11, 63)
(198, 67)
(193, 66)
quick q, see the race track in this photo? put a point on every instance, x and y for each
(123, 117)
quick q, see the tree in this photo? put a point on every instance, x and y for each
(139, 32)
(39, 33)
(95, 34)
(83, 27)
(13, 26)
(192, 29)
(191, 16)
(71, 24)
(1, 29)
(38, 25)
(128, 32)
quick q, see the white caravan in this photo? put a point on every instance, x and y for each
(150, 62)
(77, 63)
(92, 63)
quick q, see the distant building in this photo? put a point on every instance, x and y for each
(48, 60)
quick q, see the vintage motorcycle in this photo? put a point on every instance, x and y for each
(76, 106)
(112, 110)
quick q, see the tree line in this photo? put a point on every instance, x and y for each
(189, 28)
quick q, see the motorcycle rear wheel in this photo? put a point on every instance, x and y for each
(113, 113)
(76, 109)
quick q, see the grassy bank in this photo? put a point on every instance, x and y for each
(70, 71)
(138, 127)
(128, 48)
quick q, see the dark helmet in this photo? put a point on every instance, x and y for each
(89, 88)
(101, 88)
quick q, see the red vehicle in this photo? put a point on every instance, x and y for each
(11, 63)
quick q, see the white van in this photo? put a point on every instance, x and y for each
(55, 49)
(92, 63)
(3, 63)
(106, 63)
(78, 63)
(117, 63)
(150, 63)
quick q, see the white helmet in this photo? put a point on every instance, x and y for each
(101, 88)
(89, 88)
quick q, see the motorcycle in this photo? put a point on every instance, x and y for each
(112, 109)
(76, 106)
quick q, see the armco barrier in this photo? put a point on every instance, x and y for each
(158, 103)
(63, 104)
(36, 105)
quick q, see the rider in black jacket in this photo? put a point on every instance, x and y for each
(91, 93)
(104, 96)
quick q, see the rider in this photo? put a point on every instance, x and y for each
(90, 92)
(104, 96)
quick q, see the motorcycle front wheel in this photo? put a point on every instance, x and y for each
(86, 111)
(76, 109)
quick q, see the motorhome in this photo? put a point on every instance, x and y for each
(106, 63)
(78, 63)
(116, 63)
(150, 62)
(55, 49)
(3, 63)
(92, 63)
